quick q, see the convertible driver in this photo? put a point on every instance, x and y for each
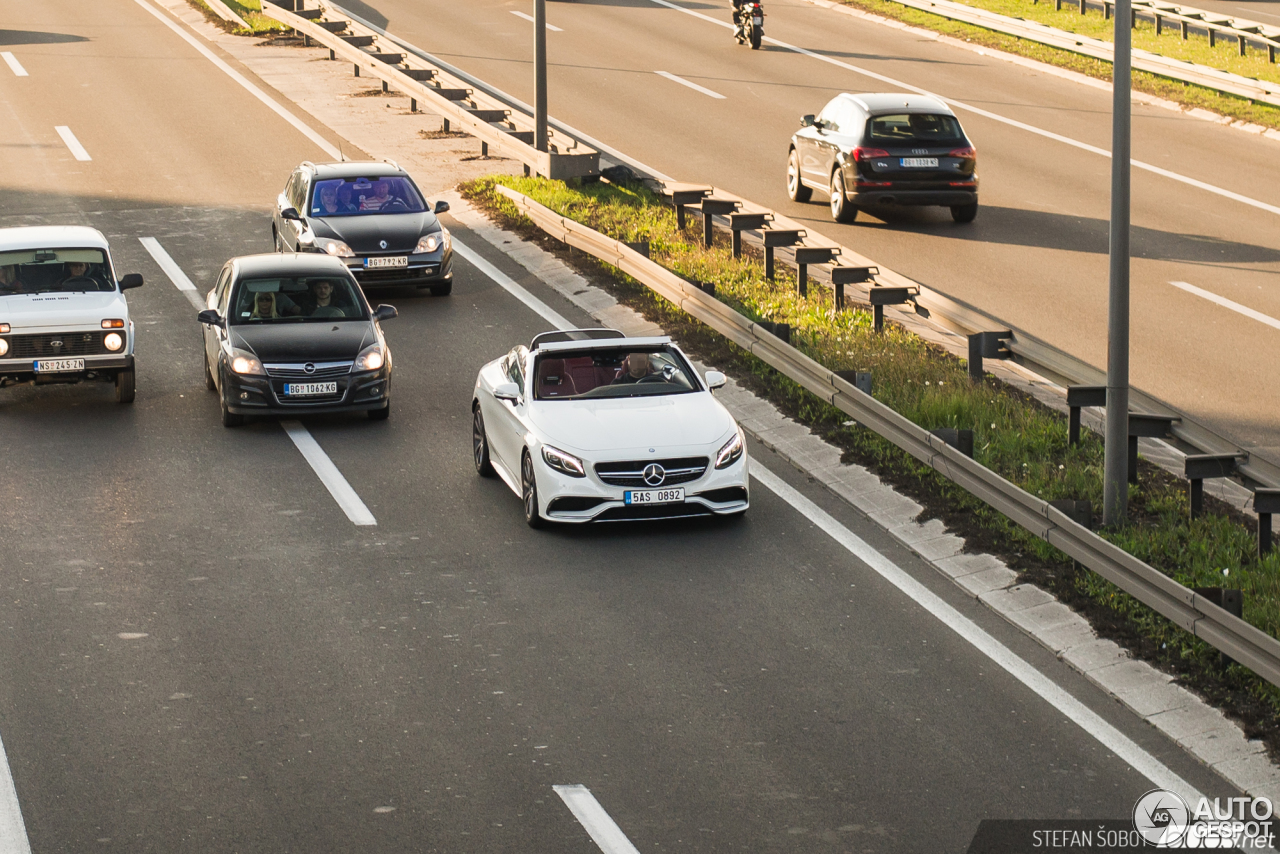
(637, 368)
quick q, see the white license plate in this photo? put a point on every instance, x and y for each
(919, 162)
(53, 366)
(403, 260)
(653, 496)
(759, 22)
(304, 389)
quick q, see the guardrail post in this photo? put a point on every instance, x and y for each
(1271, 54)
(989, 345)
(680, 198)
(1265, 502)
(1082, 9)
(641, 246)
(1080, 512)
(1241, 40)
(781, 330)
(356, 72)
(861, 380)
(806, 255)
(1079, 396)
(1212, 34)
(841, 276)
(740, 222)
(880, 297)
(1159, 21)
(1200, 466)
(1231, 601)
(961, 440)
(711, 208)
(1145, 427)
(774, 239)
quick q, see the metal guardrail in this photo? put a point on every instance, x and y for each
(493, 122)
(1175, 69)
(1184, 607)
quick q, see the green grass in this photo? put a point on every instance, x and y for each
(1223, 56)
(250, 11)
(1014, 435)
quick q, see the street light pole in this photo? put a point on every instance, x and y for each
(1115, 494)
(540, 74)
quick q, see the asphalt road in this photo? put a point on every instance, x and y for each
(201, 653)
(1037, 255)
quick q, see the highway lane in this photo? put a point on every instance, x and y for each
(1037, 256)
(203, 653)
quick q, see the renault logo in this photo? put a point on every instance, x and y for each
(654, 474)
(382, 243)
(309, 368)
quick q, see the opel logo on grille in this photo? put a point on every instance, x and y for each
(654, 474)
(309, 368)
(382, 243)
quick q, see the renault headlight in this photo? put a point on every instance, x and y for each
(433, 241)
(731, 452)
(244, 362)
(113, 341)
(371, 358)
(334, 247)
(562, 462)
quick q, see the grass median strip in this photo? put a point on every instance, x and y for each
(1014, 435)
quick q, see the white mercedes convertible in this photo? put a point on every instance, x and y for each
(588, 425)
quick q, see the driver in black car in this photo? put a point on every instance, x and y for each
(634, 370)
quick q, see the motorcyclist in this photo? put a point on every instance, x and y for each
(737, 18)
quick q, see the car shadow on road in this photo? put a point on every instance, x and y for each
(13, 37)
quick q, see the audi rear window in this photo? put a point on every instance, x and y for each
(910, 128)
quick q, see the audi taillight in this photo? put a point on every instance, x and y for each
(860, 154)
(966, 153)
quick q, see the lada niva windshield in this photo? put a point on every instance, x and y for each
(621, 372)
(41, 271)
(923, 128)
(360, 196)
(299, 299)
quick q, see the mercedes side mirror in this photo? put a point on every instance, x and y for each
(131, 280)
(715, 380)
(290, 213)
(385, 312)
(209, 317)
(807, 121)
(507, 391)
(442, 207)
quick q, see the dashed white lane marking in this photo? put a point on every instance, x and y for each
(13, 831)
(14, 65)
(548, 313)
(77, 150)
(599, 826)
(1084, 146)
(1226, 303)
(704, 90)
(531, 20)
(172, 270)
(289, 117)
(1071, 708)
(328, 473)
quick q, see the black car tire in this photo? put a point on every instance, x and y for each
(125, 386)
(480, 444)
(964, 213)
(796, 190)
(229, 418)
(208, 376)
(841, 210)
(442, 290)
(529, 492)
(380, 414)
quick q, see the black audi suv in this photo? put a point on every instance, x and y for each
(372, 216)
(870, 150)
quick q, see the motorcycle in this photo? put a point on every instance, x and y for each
(750, 24)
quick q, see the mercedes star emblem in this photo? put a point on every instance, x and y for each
(654, 474)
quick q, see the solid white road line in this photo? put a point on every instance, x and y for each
(328, 473)
(262, 96)
(547, 312)
(601, 828)
(13, 831)
(1226, 303)
(1083, 146)
(693, 86)
(1075, 711)
(13, 63)
(172, 270)
(77, 150)
(531, 20)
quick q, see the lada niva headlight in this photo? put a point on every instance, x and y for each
(4, 347)
(113, 341)
(562, 462)
(731, 452)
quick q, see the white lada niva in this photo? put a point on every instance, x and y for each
(63, 315)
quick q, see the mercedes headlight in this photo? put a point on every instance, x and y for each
(562, 462)
(244, 362)
(371, 358)
(334, 247)
(113, 341)
(731, 452)
(433, 241)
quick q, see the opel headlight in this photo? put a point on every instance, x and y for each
(334, 247)
(113, 341)
(371, 358)
(244, 362)
(731, 452)
(562, 462)
(433, 241)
